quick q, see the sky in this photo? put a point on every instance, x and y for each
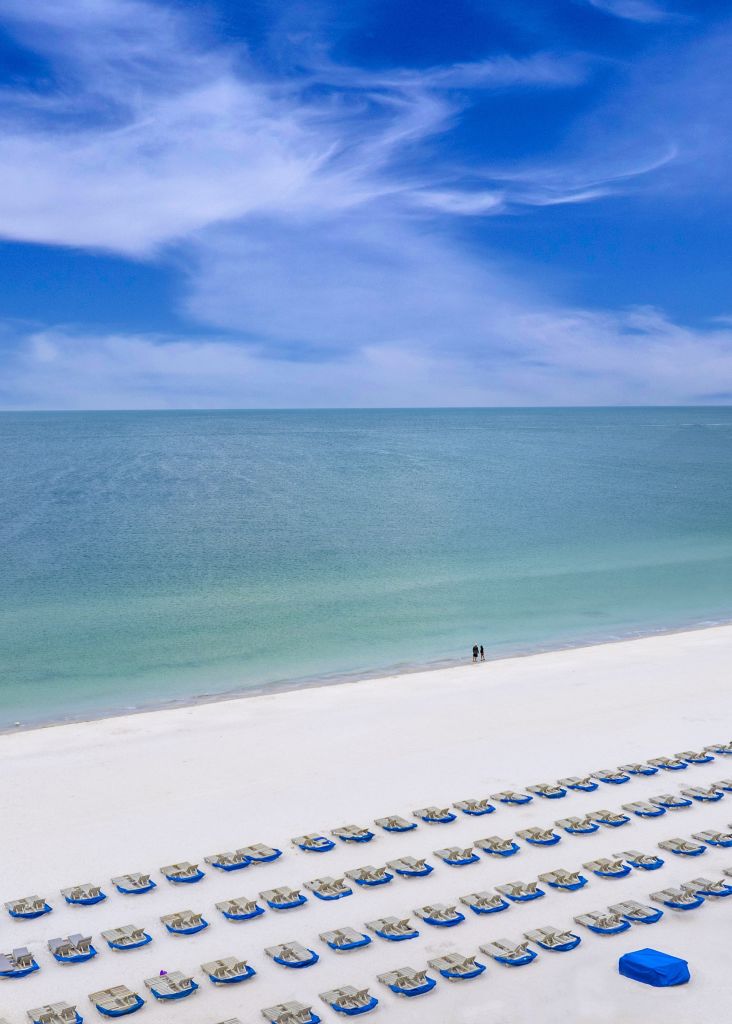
(364, 203)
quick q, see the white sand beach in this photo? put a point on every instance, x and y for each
(87, 801)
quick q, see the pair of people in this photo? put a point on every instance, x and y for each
(478, 651)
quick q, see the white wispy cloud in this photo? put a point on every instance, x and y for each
(646, 11)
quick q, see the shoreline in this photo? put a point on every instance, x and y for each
(326, 681)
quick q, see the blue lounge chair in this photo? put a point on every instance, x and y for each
(329, 888)
(410, 867)
(475, 808)
(642, 861)
(637, 913)
(455, 967)
(607, 867)
(233, 860)
(578, 784)
(127, 937)
(570, 881)
(639, 769)
(603, 922)
(185, 922)
(669, 764)
(683, 847)
(553, 939)
(719, 748)
(440, 915)
(695, 757)
(350, 1001)
(547, 790)
(241, 909)
(171, 986)
(708, 794)
(578, 826)
(642, 809)
(314, 843)
(511, 954)
(457, 856)
(678, 899)
(369, 876)
(520, 892)
(76, 949)
(260, 853)
(83, 895)
(290, 1012)
(342, 940)
(183, 873)
(292, 954)
(228, 971)
(498, 847)
(611, 776)
(708, 888)
(283, 898)
(28, 908)
(395, 823)
(512, 798)
(610, 818)
(714, 838)
(18, 964)
(539, 836)
(118, 1001)
(407, 982)
(670, 801)
(435, 815)
(484, 902)
(353, 834)
(134, 884)
(55, 1013)
(393, 929)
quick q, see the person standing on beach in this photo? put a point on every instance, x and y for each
(475, 652)
(482, 653)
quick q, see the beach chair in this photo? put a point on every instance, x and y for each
(708, 888)
(75, 949)
(129, 936)
(283, 898)
(233, 860)
(613, 819)
(292, 1012)
(484, 902)
(370, 876)
(497, 846)
(606, 867)
(669, 764)
(612, 776)
(435, 815)
(457, 856)
(343, 940)
(637, 913)
(134, 884)
(117, 1001)
(456, 967)
(561, 879)
(520, 892)
(579, 784)
(184, 922)
(292, 954)
(643, 861)
(677, 899)
(508, 953)
(183, 873)
(173, 985)
(695, 757)
(329, 888)
(578, 826)
(548, 790)
(314, 843)
(554, 939)
(28, 907)
(405, 981)
(19, 963)
(704, 794)
(714, 838)
(349, 1000)
(512, 798)
(83, 895)
(440, 915)
(724, 784)
(55, 1013)
(260, 853)
(539, 836)
(670, 801)
(475, 808)
(643, 809)
(352, 834)
(395, 823)
(683, 847)
(230, 970)
(603, 922)
(240, 909)
(638, 768)
(410, 867)
(394, 929)
(719, 748)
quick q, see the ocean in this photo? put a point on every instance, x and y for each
(165, 556)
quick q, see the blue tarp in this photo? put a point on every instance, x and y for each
(654, 968)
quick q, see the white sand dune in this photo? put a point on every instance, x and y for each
(87, 801)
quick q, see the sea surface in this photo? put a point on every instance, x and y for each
(153, 557)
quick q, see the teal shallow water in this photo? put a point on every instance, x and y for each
(154, 556)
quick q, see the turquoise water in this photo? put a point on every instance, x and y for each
(152, 556)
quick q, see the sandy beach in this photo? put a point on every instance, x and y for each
(84, 802)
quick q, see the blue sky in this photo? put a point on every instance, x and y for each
(364, 203)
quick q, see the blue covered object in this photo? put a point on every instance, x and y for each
(654, 968)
